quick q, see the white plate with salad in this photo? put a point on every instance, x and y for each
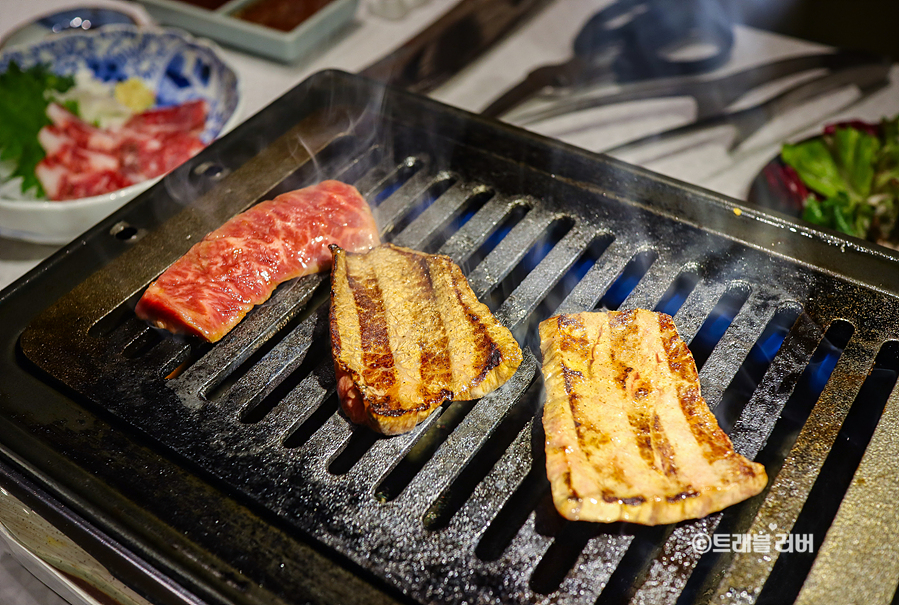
(90, 119)
(846, 179)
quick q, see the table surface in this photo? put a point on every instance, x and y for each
(19, 587)
(545, 38)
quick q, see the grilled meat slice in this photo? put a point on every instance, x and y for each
(407, 334)
(211, 288)
(628, 436)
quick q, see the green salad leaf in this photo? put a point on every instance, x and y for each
(855, 177)
(23, 112)
(855, 152)
(815, 165)
(887, 171)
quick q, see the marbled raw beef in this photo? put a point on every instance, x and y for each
(212, 287)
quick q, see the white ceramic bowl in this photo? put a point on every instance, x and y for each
(177, 66)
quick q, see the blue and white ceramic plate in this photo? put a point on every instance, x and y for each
(175, 65)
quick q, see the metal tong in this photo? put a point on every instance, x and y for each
(713, 97)
(630, 41)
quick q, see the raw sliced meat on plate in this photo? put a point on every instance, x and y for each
(82, 160)
(187, 117)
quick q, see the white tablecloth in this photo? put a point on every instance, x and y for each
(546, 38)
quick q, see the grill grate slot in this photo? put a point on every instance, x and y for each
(329, 441)
(677, 293)
(391, 209)
(538, 284)
(423, 450)
(360, 442)
(279, 372)
(803, 396)
(627, 281)
(306, 426)
(276, 354)
(170, 355)
(799, 424)
(835, 575)
(377, 462)
(502, 293)
(533, 491)
(116, 322)
(700, 304)
(354, 172)
(382, 183)
(207, 373)
(735, 343)
(717, 323)
(467, 441)
(434, 191)
(634, 566)
(562, 555)
(444, 202)
(512, 424)
(478, 238)
(509, 252)
(145, 340)
(457, 220)
(754, 367)
(599, 278)
(554, 301)
(663, 270)
(488, 498)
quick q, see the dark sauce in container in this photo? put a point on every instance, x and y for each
(208, 4)
(282, 15)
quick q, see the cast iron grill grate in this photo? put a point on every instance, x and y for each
(458, 510)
